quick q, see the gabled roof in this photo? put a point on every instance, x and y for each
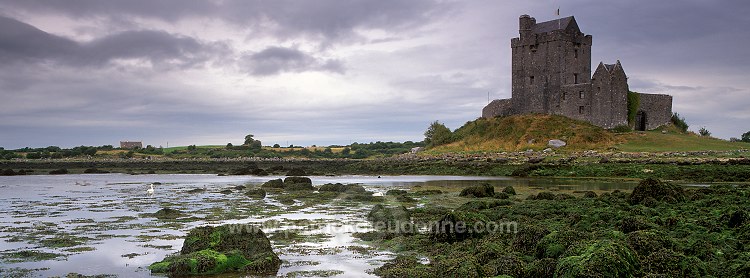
(565, 23)
(609, 67)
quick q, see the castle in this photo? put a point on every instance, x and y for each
(551, 74)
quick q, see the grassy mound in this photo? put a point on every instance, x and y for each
(523, 132)
(533, 131)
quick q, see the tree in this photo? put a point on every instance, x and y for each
(252, 143)
(191, 148)
(704, 132)
(437, 134)
(276, 146)
(745, 137)
(229, 146)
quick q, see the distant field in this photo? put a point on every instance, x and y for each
(312, 149)
(655, 141)
(182, 148)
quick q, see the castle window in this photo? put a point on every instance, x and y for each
(581, 95)
(575, 52)
(531, 80)
(580, 109)
(564, 95)
(599, 90)
(575, 78)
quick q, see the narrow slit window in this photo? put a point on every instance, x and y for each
(575, 53)
(531, 80)
(575, 78)
(580, 110)
(581, 95)
(564, 95)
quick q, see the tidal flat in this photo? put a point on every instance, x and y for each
(107, 224)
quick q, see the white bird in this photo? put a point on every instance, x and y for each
(151, 190)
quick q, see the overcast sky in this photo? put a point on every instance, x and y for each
(323, 72)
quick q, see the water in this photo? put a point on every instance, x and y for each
(105, 212)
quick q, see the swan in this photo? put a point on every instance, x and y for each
(151, 190)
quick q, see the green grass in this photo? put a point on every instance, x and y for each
(521, 132)
(656, 141)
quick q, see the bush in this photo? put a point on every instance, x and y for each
(679, 122)
(745, 137)
(704, 132)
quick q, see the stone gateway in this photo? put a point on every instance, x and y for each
(551, 74)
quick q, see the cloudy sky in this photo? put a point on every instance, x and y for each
(88, 72)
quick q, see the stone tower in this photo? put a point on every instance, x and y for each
(549, 59)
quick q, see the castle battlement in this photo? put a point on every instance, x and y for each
(551, 74)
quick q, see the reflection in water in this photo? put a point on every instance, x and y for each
(103, 212)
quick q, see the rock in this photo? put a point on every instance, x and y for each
(658, 190)
(226, 191)
(458, 226)
(224, 249)
(94, 171)
(536, 160)
(589, 194)
(277, 183)
(598, 257)
(58, 172)
(298, 183)
(340, 188)
(547, 150)
(482, 205)
(545, 196)
(166, 213)
(556, 143)
(256, 193)
(509, 190)
(481, 191)
(395, 192)
(296, 172)
(391, 220)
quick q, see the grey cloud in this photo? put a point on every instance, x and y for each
(275, 60)
(329, 20)
(21, 42)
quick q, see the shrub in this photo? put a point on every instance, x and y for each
(745, 137)
(704, 132)
(679, 122)
(634, 101)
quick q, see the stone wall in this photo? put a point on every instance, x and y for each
(658, 109)
(497, 108)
